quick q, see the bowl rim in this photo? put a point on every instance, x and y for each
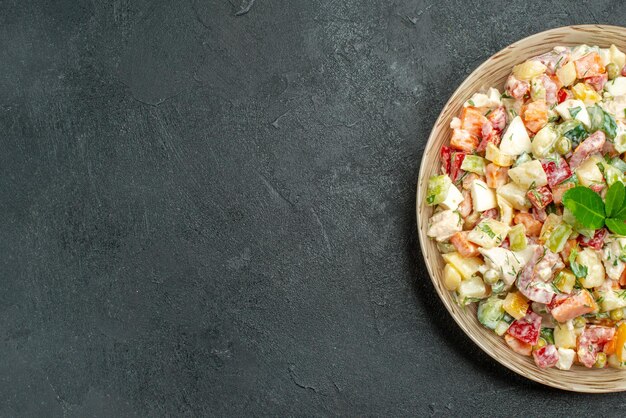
(484, 346)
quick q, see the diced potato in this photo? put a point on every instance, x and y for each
(567, 74)
(488, 233)
(595, 270)
(543, 142)
(465, 266)
(474, 287)
(516, 304)
(483, 198)
(515, 195)
(506, 210)
(451, 277)
(617, 57)
(530, 174)
(528, 69)
(493, 154)
(565, 281)
(568, 108)
(609, 300)
(515, 140)
(588, 172)
(617, 86)
(564, 335)
(566, 358)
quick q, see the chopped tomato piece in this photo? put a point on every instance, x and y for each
(588, 66)
(496, 176)
(526, 329)
(574, 305)
(533, 226)
(556, 170)
(540, 197)
(518, 346)
(596, 241)
(463, 246)
(547, 356)
(463, 140)
(535, 115)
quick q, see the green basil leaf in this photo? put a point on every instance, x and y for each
(609, 126)
(617, 226)
(614, 200)
(620, 213)
(586, 205)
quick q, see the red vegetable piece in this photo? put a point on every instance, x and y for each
(540, 198)
(527, 328)
(547, 356)
(556, 171)
(456, 159)
(591, 145)
(562, 96)
(498, 119)
(445, 159)
(596, 241)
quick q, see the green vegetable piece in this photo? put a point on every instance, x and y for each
(614, 199)
(547, 334)
(524, 158)
(619, 163)
(563, 145)
(612, 70)
(445, 247)
(573, 111)
(586, 205)
(498, 287)
(438, 187)
(490, 312)
(573, 130)
(579, 271)
(517, 238)
(558, 237)
(602, 121)
(474, 164)
(612, 174)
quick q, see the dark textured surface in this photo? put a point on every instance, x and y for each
(205, 213)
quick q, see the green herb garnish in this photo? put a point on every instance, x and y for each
(591, 212)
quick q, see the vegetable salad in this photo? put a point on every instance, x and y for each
(530, 208)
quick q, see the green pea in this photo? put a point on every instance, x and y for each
(612, 70)
(600, 360)
(563, 145)
(617, 314)
(491, 277)
(579, 322)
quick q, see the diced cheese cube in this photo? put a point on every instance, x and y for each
(465, 266)
(453, 198)
(483, 198)
(617, 86)
(595, 270)
(566, 358)
(589, 173)
(515, 195)
(444, 224)
(530, 174)
(488, 233)
(515, 140)
(565, 110)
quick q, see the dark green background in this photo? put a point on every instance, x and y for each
(210, 214)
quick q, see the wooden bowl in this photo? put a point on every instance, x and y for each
(494, 72)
